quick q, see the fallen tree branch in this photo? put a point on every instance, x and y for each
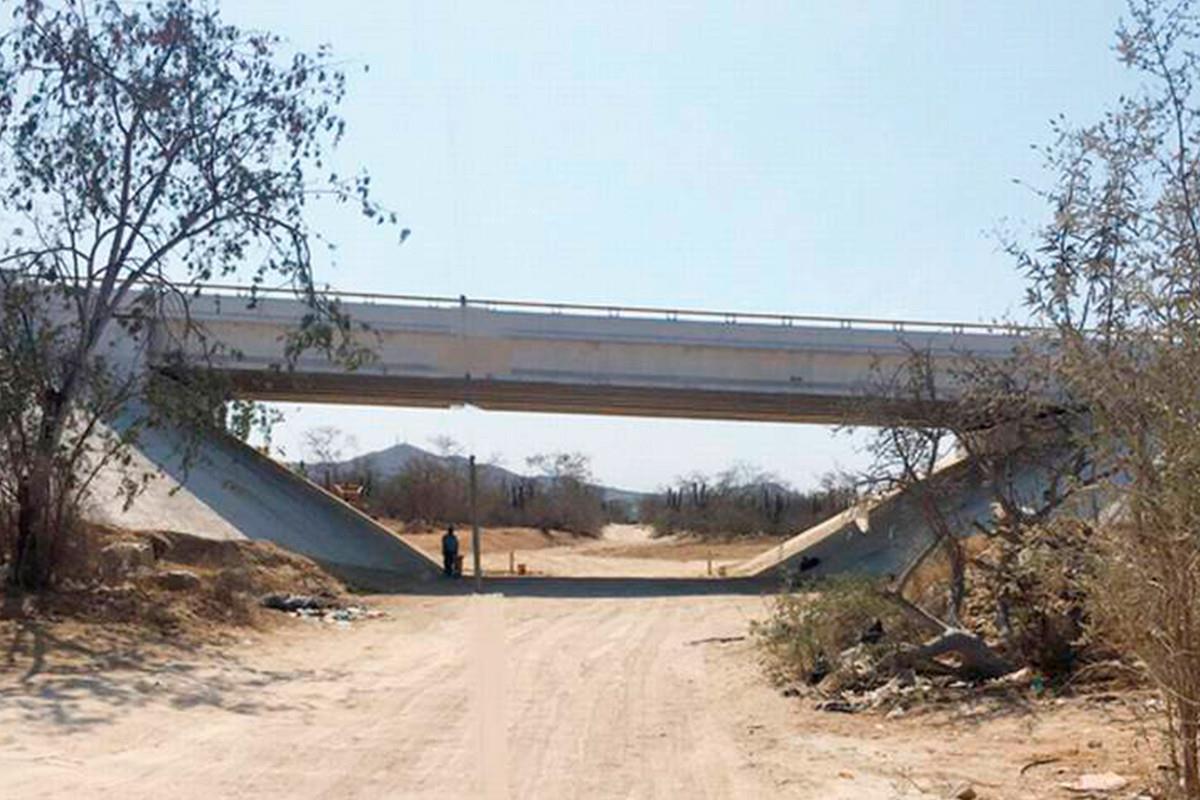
(978, 659)
(1037, 762)
(716, 640)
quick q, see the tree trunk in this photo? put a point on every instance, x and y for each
(31, 562)
(1188, 750)
(23, 548)
(34, 548)
(958, 580)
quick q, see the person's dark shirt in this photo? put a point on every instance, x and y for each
(449, 543)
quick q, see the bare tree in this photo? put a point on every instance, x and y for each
(971, 431)
(1116, 272)
(144, 151)
(566, 500)
(905, 455)
(326, 445)
(446, 446)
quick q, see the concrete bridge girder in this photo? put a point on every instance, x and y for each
(521, 360)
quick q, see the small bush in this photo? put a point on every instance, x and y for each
(809, 631)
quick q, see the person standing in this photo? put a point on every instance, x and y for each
(449, 552)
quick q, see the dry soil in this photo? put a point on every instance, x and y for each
(556, 689)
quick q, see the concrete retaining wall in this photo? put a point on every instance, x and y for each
(232, 491)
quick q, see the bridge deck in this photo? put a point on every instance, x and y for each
(589, 359)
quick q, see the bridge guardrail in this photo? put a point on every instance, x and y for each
(637, 312)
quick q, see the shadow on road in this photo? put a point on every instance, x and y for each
(79, 677)
(592, 587)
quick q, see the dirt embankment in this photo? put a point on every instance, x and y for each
(170, 583)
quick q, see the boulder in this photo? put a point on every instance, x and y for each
(963, 791)
(178, 580)
(120, 561)
(1097, 783)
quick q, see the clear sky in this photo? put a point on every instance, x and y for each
(846, 158)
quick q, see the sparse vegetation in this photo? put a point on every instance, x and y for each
(1114, 273)
(173, 583)
(743, 502)
(829, 626)
(433, 491)
(143, 152)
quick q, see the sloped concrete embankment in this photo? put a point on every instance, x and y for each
(888, 534)
(231, 491)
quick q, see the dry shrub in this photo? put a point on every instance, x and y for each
(808, 632)
(926, 586)
(1030, 596)
(1146, 600)
(78, 547)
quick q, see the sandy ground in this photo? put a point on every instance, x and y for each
(607, 688)
(508, 696)
(621, 550)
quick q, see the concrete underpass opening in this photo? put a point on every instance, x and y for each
(547, 361)
(376, 448)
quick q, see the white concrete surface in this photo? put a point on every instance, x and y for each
(231, 491)
(896, 531)
(518, 359)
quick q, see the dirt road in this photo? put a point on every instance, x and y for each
(629, 695)
(620, 551)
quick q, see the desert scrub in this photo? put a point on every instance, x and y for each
(812, 630)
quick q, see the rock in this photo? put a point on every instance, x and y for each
(885, 694)
(121, 560)
(1022, 677)
(833, 682)
(963, 791)
(178, 580)
(895, 713)
(1097, 782)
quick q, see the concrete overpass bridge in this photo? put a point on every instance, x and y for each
(586, 359)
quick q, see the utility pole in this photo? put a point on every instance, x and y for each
(475, 532)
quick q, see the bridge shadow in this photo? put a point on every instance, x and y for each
(591, 587)
(81, 677)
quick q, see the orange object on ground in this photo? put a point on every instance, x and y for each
(351, 493)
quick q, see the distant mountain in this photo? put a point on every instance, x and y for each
(388, 461)
(392, 460)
